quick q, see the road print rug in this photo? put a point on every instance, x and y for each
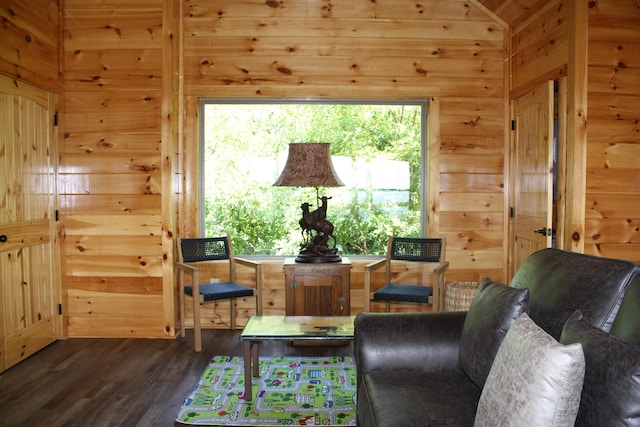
(290, 391)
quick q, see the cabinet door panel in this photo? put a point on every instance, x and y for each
(317, 290)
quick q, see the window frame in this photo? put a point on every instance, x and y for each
(424, 144)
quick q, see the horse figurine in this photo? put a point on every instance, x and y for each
(304, 225)
(316, 221)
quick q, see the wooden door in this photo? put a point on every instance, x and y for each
(28, 281)
(532, 175)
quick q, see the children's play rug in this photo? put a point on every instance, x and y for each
(290, 391)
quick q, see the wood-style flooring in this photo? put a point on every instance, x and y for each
(119, 382)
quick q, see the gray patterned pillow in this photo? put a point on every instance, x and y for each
(534, 381)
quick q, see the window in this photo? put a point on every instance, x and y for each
(377, 150)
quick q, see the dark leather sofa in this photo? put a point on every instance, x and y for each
(428, 369)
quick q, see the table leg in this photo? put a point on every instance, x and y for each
(256, 358)
(247, 370)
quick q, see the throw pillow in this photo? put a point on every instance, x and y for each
(493, 310)
(611, 392)
(534, 381)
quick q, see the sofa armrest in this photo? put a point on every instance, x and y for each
(407, 341)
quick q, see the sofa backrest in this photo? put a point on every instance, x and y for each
(626, 326)
(561, 282)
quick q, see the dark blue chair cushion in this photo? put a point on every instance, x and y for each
(224, 290)
(407, 293)
(611, 390)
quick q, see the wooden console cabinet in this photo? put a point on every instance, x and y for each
(317, 289)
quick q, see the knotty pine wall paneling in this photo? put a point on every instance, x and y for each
(31, 45)
(539, 47)
(612, 214)
(115, 168)
(172, 113)
(446, 50)
(449, 50)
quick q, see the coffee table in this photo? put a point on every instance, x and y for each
(288, 328)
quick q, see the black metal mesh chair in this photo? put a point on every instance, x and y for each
(193, 252)
(414, 272)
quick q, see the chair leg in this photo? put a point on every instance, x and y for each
(367, 291)
(232, 311)
(197, 331)
(182, 303)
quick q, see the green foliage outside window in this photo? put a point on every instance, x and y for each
(245, 146)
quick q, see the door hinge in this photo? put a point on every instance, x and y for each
(57, 215)
(513, 125)
(55, 119)
(60, 309)
(512, 212)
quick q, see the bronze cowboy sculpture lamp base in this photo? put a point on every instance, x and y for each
(309, 165)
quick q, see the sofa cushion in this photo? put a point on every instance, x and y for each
(492, 312)
(611, 391)
(423, 399)
(626, 327)
(562, 282)
(534, 380)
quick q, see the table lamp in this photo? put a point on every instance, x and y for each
(309, 165)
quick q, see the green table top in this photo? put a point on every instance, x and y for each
(262, 328)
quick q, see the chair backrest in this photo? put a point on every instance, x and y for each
(428, 251)
(207, 249)
(415, 249)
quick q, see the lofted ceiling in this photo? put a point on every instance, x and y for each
(512, 11)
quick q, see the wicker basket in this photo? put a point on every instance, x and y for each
(458, 295)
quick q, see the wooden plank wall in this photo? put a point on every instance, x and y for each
(612, 215)
(111, 162)
(539, 47)
(111, 170)
(450, 52)
(30, 47)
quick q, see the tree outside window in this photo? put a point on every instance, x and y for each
(377, 151)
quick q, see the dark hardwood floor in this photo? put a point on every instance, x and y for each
(119, 382)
